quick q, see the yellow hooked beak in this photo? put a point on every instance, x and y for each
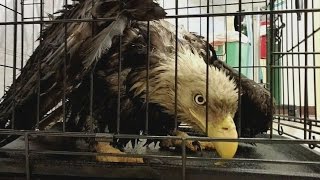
(224, 128)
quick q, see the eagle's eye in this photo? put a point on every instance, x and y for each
(199, 99)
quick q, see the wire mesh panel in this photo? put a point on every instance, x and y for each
(192, 88)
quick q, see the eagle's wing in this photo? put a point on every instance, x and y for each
(86, 43)
(256, 109)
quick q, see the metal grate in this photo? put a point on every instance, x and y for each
(287, 30)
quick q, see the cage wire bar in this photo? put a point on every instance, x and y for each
(278, 61)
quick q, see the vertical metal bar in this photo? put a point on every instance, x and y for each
(91, 79)
(41, 18)
(184, 158)
(176, 71)
(65, 71)
(5, 48)
(15, 39)
(26, 153)
(200, 18)
(299, 69)
(52, 7)
(287, 59)
(33, 10)
(22, 33)
(282, 71)
(119, 83)
(271, 63)
(147, 79)
(306, 110)
(91, 102)
(226, 30)
(314, 70)
(314, 80)
(282, 64)
(212, 1)
(207, 70)
(279, 63)
(188, 14)
(252, 43)
(240, 67)
(292, 70)
(267, 45)
(39, 67)
(212, 6)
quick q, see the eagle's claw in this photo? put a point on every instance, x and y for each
(191, 146)
(197, 144)
(103, 147)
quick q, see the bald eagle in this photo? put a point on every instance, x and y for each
(104, 57)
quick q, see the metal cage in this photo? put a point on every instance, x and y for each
(278, 47)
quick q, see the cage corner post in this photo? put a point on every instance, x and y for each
(317, 49)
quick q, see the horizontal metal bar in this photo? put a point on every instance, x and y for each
(173, 157)
(82, 134)
(292, 136)
(293, 53)
(104, 154)
(129, 136)
(299, 67)
(6, 66)
(11, 150)
(316, 145)
(243, 13)
(258, 161)
(35, 18)
(298, 122)
(281, 67)
(214, 5)
(255, 140)
(32, 3)
(171, 16)
(293, 117)
(249, 67)
(59, 21)
(297, 127)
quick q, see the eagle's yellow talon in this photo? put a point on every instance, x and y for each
(209, 146)
(103, 147)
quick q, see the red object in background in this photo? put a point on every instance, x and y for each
(263, 47)
(263, 40)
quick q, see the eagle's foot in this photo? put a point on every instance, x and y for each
(104, 147)
(173, 143)
(207, 146)
(192, 146)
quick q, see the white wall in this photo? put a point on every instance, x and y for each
(294, 33)
(216, 24)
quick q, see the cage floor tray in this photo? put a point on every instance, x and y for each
(42, 166)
